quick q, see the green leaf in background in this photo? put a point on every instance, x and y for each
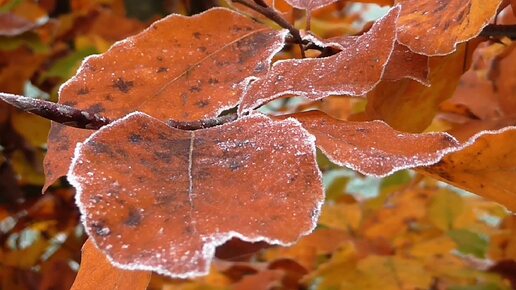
(483, 286)
(446, 206)
(66, 66)
(469, 242)
(28, 39)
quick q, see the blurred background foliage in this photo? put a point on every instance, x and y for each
(401, 232)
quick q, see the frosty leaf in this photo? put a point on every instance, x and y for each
(486, 166)
(159, 198)
(435, 27)
(404, 63)
(181, 68)
(374, 148)
(353, 71)
(96, 272)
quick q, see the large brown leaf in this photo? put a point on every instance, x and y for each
(435, 27)
(485, 166)
(353, 71)
(409, 106)
(181, 68)
(96, 272)
(159, 198)
(374, 148)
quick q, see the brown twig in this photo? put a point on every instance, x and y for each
(498, 30)
(262, 8)
(73, 117)
(62, 114)
(203, 124)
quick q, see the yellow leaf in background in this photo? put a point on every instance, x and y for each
(395, 272)
(29, 173)
(439, 246)
(445, 207)
(503, 244)
(341, 215)
(33, 128)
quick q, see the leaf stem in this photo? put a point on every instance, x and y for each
(62, 114)
(81, 119)
(262, 8)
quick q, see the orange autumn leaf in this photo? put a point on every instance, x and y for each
(435, 27)
(174, 188)
(97, 272)
(408, 105)
(485, 166)
(374, 148)
(162, 71)
(353, 71)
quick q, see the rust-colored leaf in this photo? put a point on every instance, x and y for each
(486, 166)
(181, 68)
(374, 148)
(404, 63)
(159, 198)
(397, 102)
(96, 272)
(435, 27)
(353, 71)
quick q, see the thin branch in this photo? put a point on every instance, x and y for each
(59, 113)
(203, 124)
(262, 8)
(497, 30)
(73, 117)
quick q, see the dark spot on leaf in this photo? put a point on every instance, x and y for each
(96, 109)
(202, 103)
(234, 165)
(197, 35)
(195, 89)
(100, 229)
(260, 68)
(135, 138)
(163, 156)
(162, 69)
(134, 219)
(159, 58)
(122, 85)
(83, 91)
(213, 81)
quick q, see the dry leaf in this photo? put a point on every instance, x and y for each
(183, 191)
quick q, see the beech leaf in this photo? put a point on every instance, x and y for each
(158, 198)
(396, 102)
(180, 68)
(486, 165)
(374, 148)
(353, 71)
(96, 272)
(435, 27)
